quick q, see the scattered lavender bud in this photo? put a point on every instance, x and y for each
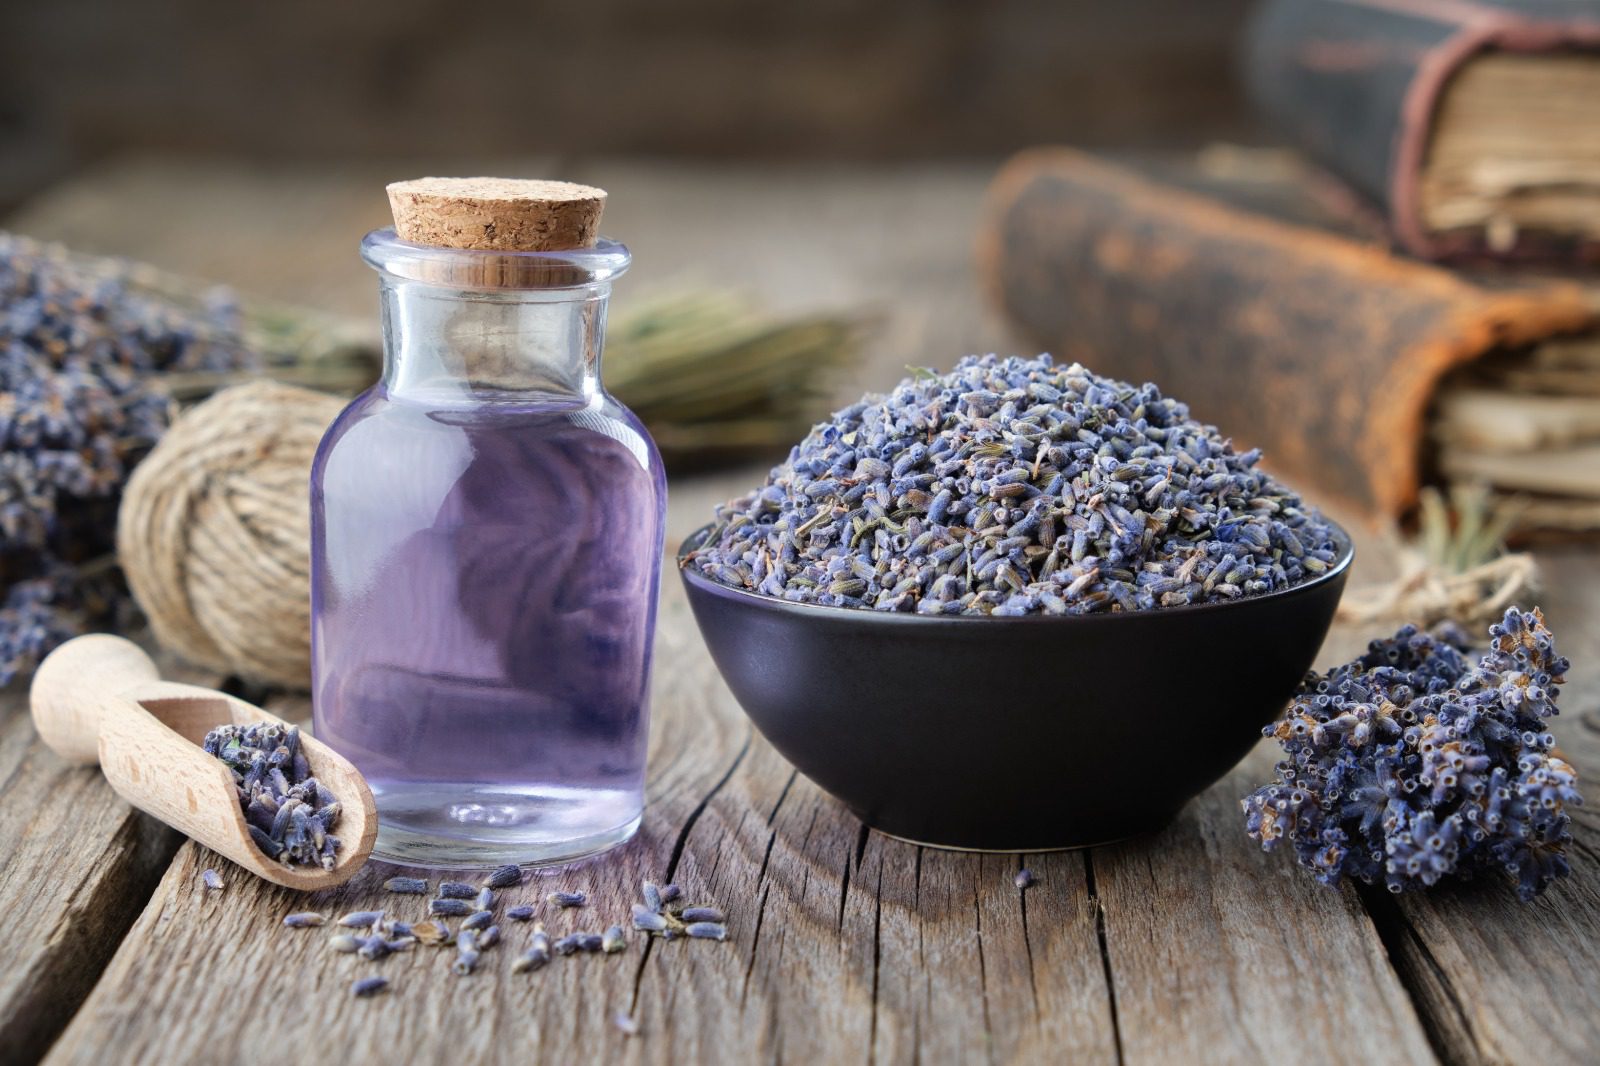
(393, 928)
(702, 914)
(449, 908)
(400, 943)
(615, 940)
(344, 944)
(567, 945)
(212, 879)
(466, 961)
(1024, 879)
(407, 886)
(626, 1023)
(489, 938)
(478, 920)
(373, 948)
(431, 932)
(1105, 496)
(652, 896)
(1413, 763)
(590, 942)
(304, 920)
(670, 893)
(707, 931)
(519, 914)
(648, 920)
(505, 877)
(467, 940)
(486, 899)
(369, 986)
(457, 890)
(568, 899)
(361, 919)
(537, 955)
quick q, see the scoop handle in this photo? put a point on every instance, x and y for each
(78, 684)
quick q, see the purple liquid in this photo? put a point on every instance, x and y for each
(483, 602)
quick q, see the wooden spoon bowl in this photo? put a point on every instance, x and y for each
(100, 699)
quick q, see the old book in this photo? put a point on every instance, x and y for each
(1228, 288)
(1474, 123)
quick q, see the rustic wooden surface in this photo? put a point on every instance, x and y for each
(848, 946)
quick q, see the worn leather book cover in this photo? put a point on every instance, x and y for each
(1370, 88)
(1320, 347)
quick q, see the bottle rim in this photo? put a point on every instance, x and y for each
(470, 268)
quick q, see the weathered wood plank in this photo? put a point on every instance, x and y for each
(1214, 945)
(76, 866)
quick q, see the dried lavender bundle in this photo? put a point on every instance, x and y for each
(79, 406)
(1413, 763)
(1011, 487)
(289, 814)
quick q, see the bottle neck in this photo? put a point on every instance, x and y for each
(444, 344)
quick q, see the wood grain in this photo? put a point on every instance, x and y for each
(76, 866)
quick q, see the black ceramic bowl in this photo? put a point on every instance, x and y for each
(1014, 734)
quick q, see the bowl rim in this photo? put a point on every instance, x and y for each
(692, 576)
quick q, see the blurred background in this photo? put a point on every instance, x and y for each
(82, 81)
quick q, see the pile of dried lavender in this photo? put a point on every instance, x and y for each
(79, 406)
(1412, 763)
(1015, 486)
(290, 815)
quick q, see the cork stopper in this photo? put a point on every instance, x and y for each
(497, 214)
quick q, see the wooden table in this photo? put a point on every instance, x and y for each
(846, 946)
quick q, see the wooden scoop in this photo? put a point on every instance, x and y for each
(100, 699)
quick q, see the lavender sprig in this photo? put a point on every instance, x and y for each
(1412, 763)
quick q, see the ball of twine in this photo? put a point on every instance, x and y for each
(214, 531)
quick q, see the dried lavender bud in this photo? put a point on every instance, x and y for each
(614, 940)
(449, 908)
(652, 897)
(400, 943)
(626, 1023)
(282, 812)
(407, 886)
(567, 945)
(590, 942)
(478, 920)
(304, 920)
(373, 948)
(394, 928)
(505, 877)
(84, 345)
(467, 940)
(519, 914)
(1413, 763)
(361, 919)
(702, 914)
(431, 932)
(670, 893)
(466, 961)
(648, 920)
(537, 955)
(707, 931)
(489, 938)
(457, 890)
(1014, 487)
(486, 899)
(344, 944)
(568, 899)
(212, 879)
(369, 986)
(1024, 879)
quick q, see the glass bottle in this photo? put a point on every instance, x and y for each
(486, 544)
